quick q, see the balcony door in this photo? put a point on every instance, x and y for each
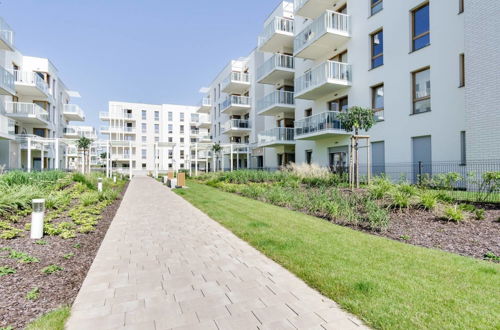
(341, 57)
(340, 105)
(338, 159)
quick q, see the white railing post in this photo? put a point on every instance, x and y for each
(29, 155)
(57, 153)
(196, 159)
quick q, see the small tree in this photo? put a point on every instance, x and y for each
(84, 144)
(216, 149)
(356, 119)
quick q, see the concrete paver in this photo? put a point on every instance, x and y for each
(166, 265)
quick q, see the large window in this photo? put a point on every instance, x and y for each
(144, 115)
(421, 34)
(377, 5)
(422, 91)
(144, 153)
(157, 115)
(170, 116)
(377, 41)
(378, 98)
(170, 129)
(144, 128)
(309, 154)
(157, 128)
(182, 129)
(182, 116)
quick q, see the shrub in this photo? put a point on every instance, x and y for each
(378, 218)
(480, 214)
(89, 198)
(399, 199)
(22, 257)
(33, 294)
(428, 200)
(454, 213)
(308, 171)
(491, 256)
(379, 187)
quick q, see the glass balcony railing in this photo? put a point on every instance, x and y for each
(276, 98)
(73, 110)
(277, 135)
(31, 78)
(276, 62)
(329, 22)
(325, 121)
(235, 100)
(6, 33)
(7, 80)
(327, 72)
(237, 124)
(236, 78)
(277, 25)
(26, 109)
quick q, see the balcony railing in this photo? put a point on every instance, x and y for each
(117, 129)
(329, 22)
(276, 98)
(74, 110)
(6, 33)
(71, 131)
(7, 81)
(277, 25)
(26, 109)
(206, 102)
(30, 141)
(195, 132)
(235, 100)
(322, 122)
(32, 79)
(276, 62)
(237, 124)
(327, 72)
(235, 82)
(117, 116)
(277, 135)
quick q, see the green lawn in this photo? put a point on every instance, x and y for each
(388, 284)
(53, 320)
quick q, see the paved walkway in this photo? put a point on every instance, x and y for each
(166, 265)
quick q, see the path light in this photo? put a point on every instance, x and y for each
(114, 178)
(37, 216)
(165, 179)
(99, 185)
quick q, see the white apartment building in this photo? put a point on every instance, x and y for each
(35, 109)
(429, 70)
(144, 138)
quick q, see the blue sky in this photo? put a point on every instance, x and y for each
(151, 51)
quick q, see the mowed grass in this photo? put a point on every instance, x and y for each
(53, 320)
(388, 284)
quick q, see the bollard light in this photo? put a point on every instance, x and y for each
(99, 185)
(165, 179)
(114, 179)
(37, 216)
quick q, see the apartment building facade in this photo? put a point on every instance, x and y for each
(422, 66)
(35, 109)
(144, 138)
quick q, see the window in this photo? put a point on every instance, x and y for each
(182, 116)
(463, 150)
(157, 139)
(157, 115)
(144, 115)
(157, 128)
(378, 98)
(143, 166)
(309, 154)
(170, 154)
(170, 129)
(170, 116)
(341, 104)
(169, 165)
(461, 6)
(144, 139)
(182, 154)
(170, 139)
(421, 34)
(377, 5)
(182, 140)
(308, 112)
(182, 129)
(144, 128)
(144, 153)
(462, 70)
(377, 49)
(422, 91)
(195, 117)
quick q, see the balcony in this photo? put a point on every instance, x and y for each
(325, 124)
(237, 127)
(7, 85)
(27, 113)
(194, 132)
(107, 116)
(72, 152)
(30, 141)
(205, 139)
(71, 132)
(327, 32)
(73, 112)
(279, 67)
(31, 83)
(120, 157)
(326, 78)
(205, 105)
(6, 36)
(236, 105)
(276, 137)
(105, 130)
(277, 36)
(204, 123)
(313, 8)
(7, 129)
(276, 103)
(236, 83)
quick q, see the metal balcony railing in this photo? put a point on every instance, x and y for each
(277, 25)
(235, 100)
(329, 22)
(27, 109)
(237, 124)
(6, 33)
(32, 79)
(276, 62)
(318, 123)
(276, 98)
(7, 80)
(73, 109)
(329, 71)
(278, 134)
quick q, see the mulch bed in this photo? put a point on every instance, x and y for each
(473, 238)
(57, 289)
